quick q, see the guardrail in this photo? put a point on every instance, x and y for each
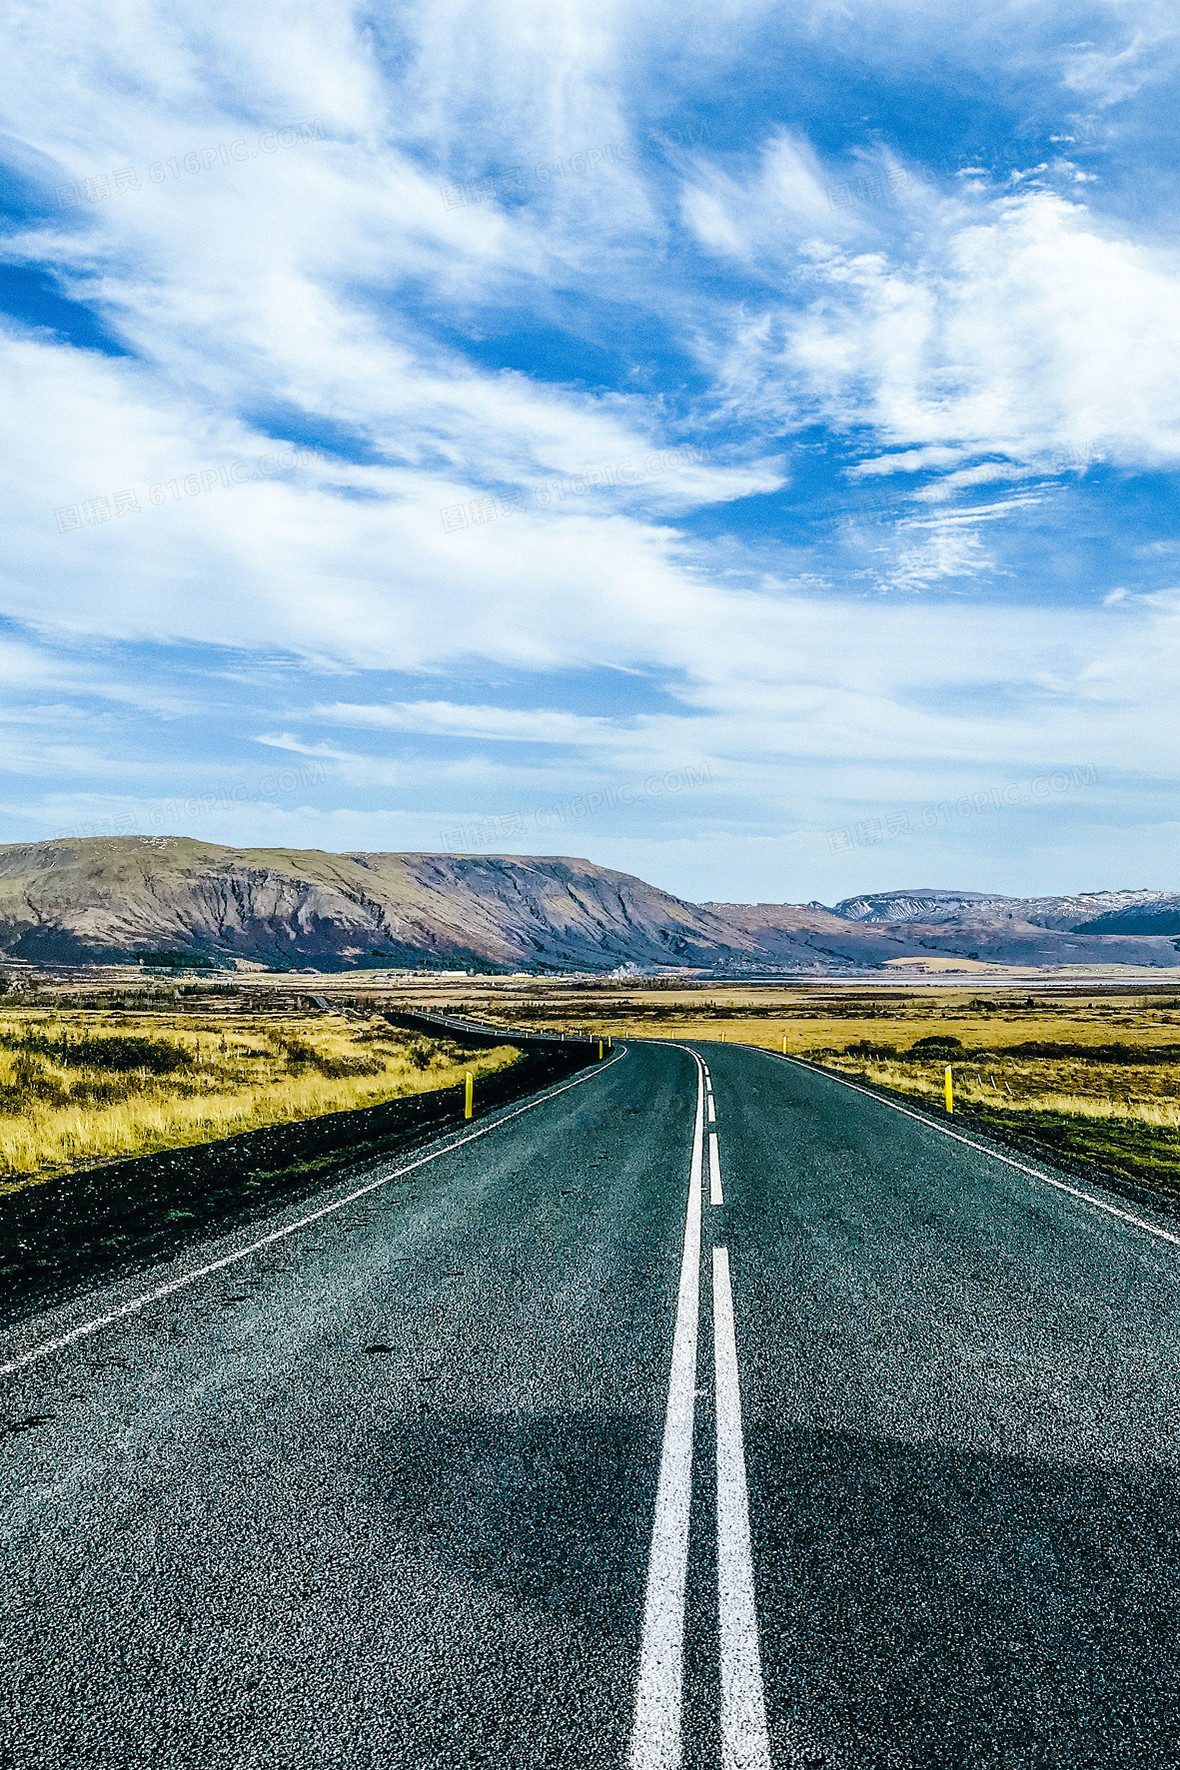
(424, 1020)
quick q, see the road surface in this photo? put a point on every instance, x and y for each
(714, 1418)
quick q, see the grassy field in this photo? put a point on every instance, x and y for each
(84, 1086)
(1095, 1076)
(1091, 1073)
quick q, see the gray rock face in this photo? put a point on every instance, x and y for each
(119, 898)
(1108, 912)
(1098, 912)
(990, 926)
(921, 905)
(125, 897)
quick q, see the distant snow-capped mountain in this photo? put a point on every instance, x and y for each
(127, 898)
(1095, 912)
(922, 904)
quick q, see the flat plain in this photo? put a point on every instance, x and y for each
(108, 1077)
(1088, 1073)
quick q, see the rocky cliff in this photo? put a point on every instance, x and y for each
(120, 898)
(124, 898)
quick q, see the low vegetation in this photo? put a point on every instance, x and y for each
(1112, 1104)
(1068, 1070)
(1093, 1076)
(83, 1086)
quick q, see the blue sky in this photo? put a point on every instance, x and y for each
(734, 443)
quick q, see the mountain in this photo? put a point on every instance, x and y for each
(117, 899)
(1092, 928)
(921, 905)
(1108, 912)
(1094, 912)
(109, 900)
(809, 937)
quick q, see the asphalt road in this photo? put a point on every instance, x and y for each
(837, 1442)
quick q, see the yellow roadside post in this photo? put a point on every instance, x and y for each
(784, 1044)
(468, 1095)
(950, 1089)
(600, 1050)
(723, 1038)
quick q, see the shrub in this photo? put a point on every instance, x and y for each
(1117, 1052)
(302, 1055)
(337, 1067)
(30, 1082)
(937, 1045)
(118, 1051)
(299, 1054)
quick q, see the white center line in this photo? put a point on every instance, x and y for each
(656, 1734)
(716, 1196)
(744, 1741)
(712, 1110)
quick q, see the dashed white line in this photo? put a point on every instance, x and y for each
(744, 1741)
(712, 1109)
(716, 1196)
(178, 1284)
(656, 1732)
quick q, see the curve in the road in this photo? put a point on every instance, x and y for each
(438, 1474)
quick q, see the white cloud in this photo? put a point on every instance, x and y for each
(1025, 327)
(446, 719)
(905, 461)
(967, 478)
(330, 281)
(1106, 75)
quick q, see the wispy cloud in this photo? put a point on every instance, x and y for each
(800, 308)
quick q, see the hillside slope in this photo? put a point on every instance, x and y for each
(118, 898)
(1148, 913)
(1092, 928)
(810, 937)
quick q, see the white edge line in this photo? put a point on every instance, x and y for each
(981, 1148)
(656, 1725)
(187, 1278)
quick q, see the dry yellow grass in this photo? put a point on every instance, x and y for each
(1150, 1096)
(1095, 1103)
(1121, 1112)
(823, 1023)
(58, 1112)
(1148, 1093)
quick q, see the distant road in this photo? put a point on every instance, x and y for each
(720, 1418)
